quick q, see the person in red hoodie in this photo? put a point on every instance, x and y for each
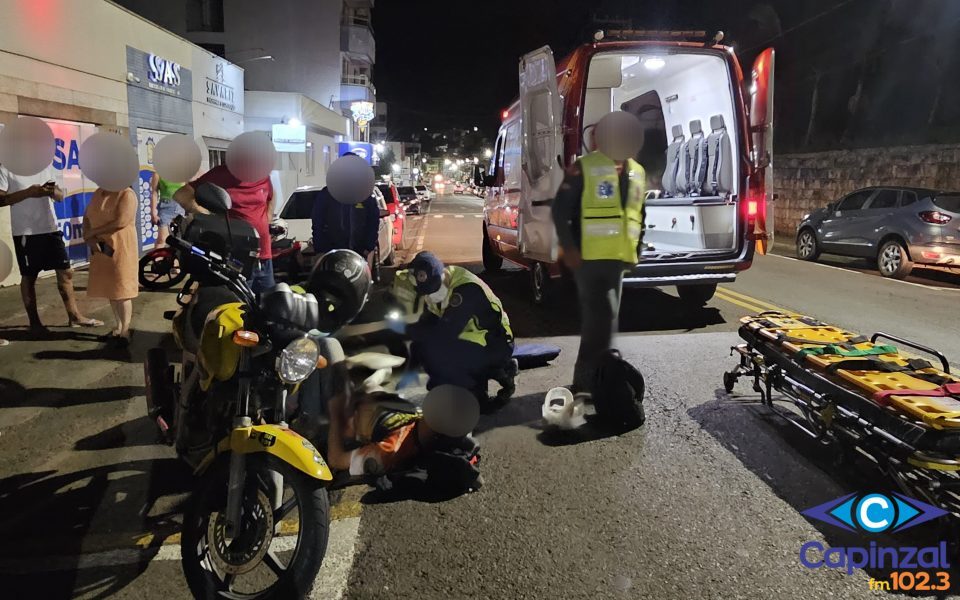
(252, 202)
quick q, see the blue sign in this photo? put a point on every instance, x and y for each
(362, 149)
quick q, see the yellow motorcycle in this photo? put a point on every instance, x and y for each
(257, 522)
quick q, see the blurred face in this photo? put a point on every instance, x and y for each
(619, 135)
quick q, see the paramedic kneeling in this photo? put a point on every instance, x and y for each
(599, 216)
(463, 336)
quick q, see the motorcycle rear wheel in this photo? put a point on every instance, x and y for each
(160, 269)
(218, 567)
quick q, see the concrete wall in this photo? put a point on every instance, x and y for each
(302, 37)
(808, 181)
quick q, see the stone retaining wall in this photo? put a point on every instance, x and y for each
(808, 181)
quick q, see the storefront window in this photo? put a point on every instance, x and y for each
(217, 157)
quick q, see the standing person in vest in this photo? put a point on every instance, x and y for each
(163, 208)
(463, 337)
(599, 217)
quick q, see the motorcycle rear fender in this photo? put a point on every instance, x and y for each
(285, 444)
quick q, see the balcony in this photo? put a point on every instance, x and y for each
(356, 39)
(355, 88)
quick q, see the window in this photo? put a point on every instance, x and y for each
(885, 199)
(300, 206)
(948, 203)
(511, 157)
(908, 198)
(854, 201)
(326, 159)
(205, 15)
(218, 49)
(217, 157)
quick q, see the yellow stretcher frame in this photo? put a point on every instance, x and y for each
(796, 333)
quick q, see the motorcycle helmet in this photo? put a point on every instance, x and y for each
(341, 282)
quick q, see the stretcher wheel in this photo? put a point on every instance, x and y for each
(729, 380)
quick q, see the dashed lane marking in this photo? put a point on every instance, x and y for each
(437, 216)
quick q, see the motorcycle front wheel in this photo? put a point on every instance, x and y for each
(275, 551)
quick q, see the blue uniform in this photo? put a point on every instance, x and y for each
(344, 226)
(449, 359)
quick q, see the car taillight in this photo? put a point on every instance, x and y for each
(752, 209)
(934, 216)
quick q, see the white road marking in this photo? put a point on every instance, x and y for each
(331, 582)
(437, 216)
(919, 285)
(458, 216)
(478, 215)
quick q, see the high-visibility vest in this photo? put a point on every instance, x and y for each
(472, 332)
(404, 289)
(608, 229)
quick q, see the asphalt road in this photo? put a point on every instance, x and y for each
(703, 501)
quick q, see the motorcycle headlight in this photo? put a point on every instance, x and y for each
(298, 360)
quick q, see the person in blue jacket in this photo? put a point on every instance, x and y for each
(345, 226)
(463, 336)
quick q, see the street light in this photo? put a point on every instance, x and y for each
(416, 171)
(476, 160)
(423, 161)
(475, 128)
(446, 161)
(488, 153)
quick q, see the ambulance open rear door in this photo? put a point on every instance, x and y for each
(540, 148)
(761, 140)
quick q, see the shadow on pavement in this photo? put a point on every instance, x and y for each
(138, 432)
(800, 470)
(49, 520)
(24, 334)
(15, 395)
(642, 310)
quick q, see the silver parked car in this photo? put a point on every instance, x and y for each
(898, 227)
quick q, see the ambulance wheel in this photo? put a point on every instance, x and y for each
(696, 295)
(491, 260)
(540, 282)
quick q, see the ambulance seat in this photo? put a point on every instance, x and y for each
(670, 184)
(720, 159)
(696, 159)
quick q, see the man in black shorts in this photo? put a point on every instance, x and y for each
(38, 242)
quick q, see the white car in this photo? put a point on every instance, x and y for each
(297, 211)
(424, 193)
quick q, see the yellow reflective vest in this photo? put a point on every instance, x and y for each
(472, 332)
(608, 229)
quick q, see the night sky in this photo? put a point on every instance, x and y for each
(849, 72)
(454, 64)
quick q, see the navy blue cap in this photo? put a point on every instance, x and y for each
(427, 271)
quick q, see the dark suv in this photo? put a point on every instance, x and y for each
(896, 226)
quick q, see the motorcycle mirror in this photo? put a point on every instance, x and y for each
(213, 198)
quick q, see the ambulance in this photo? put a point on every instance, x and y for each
(707, 153)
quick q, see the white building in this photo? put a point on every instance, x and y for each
(299, 164)
(81, 83)
(323, 49)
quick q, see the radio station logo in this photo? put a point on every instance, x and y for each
(871, 514)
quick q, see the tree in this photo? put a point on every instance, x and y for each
(386, 163)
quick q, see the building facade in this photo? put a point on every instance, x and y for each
(311, 133)
(322, 49)
(140, 81)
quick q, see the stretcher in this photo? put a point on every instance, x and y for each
(871, 395)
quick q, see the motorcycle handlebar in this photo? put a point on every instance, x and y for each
(224, 273)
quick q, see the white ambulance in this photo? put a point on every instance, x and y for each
(707, 153)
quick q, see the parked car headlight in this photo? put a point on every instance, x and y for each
(298, 360)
